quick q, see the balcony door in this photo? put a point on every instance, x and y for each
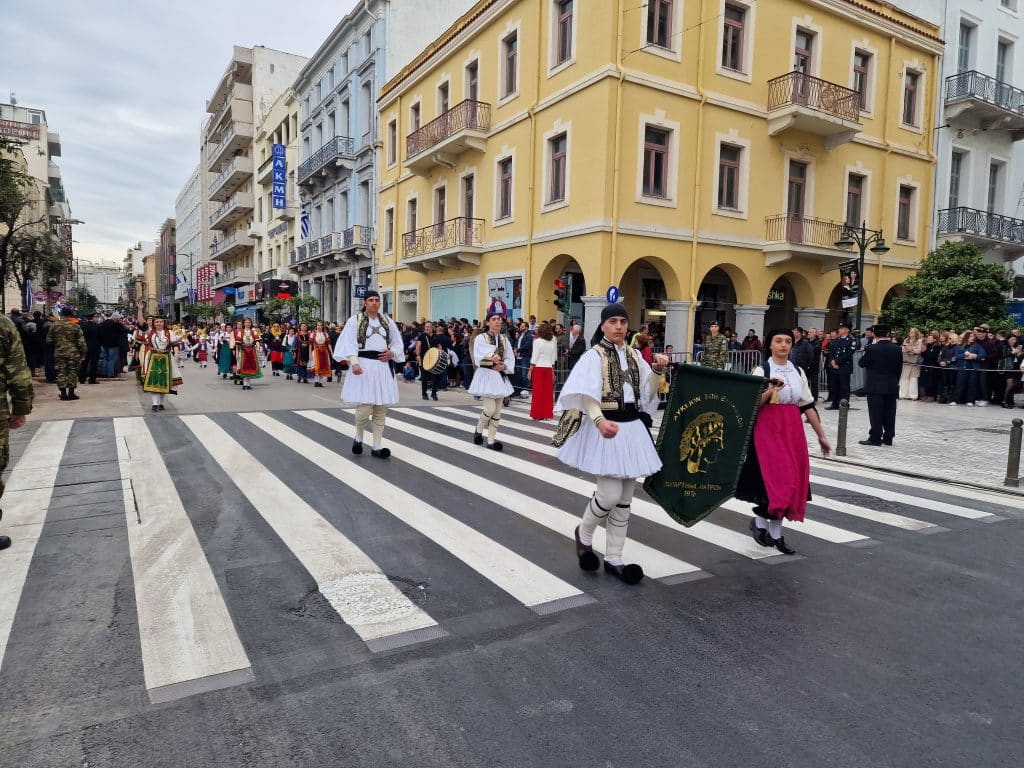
(796, 194)
(468, 207)
(802, 53)
(440, 199)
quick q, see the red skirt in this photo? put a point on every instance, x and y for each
(542, 405)
(785, 464)
(276, 356)
(249, 365)
(321, 362)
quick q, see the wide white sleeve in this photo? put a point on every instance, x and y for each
(348, 342)
(649, 385)
(584, 381)
(397, 347)
(479, 349)
(806, 397)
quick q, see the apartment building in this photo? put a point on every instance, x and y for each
(104, 281)
(166, 269)
(703, 157)
(980, 177)
(188, 213)
(133, 274)
(254, 79)
(39, 146)
(337, 174)
(276, 224)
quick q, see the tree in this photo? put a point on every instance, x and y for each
(954, 288)
(85, 301)
(35, 255)
(200, 311)
(17, 189)
(304, 308)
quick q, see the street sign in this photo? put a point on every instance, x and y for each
(39, 297)
(361, 291)
(613, 294)
(279, 182)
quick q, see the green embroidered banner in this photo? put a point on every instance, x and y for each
(703, 440)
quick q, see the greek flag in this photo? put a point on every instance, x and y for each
(304, 221)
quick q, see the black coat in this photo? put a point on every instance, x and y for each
(111, 333)
(882, 363)
(91, 331)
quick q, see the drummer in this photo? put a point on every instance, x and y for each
(372, 343)
(427, 341)
(494, 357)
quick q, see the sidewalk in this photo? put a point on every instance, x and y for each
(937, 442)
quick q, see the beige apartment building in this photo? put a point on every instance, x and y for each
(252, 82)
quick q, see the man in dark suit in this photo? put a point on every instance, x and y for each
(882, 363)
(91, 362)
(839, 357)
(576, 345)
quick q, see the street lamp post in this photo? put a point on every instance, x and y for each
(863, 238)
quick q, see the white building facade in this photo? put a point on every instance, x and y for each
(980, 143)
(189, 214)
(102, 280)
(339, 138)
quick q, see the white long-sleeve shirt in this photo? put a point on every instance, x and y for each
(545, 352)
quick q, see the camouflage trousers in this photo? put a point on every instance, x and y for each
(5, 451)
(67, 371)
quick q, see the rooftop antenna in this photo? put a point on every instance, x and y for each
(14, 101)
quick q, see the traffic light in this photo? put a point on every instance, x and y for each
(560, 302)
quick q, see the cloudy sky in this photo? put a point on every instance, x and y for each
(125, 84)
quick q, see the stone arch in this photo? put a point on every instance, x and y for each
(742, 288)
(556, 267)
(645, 284)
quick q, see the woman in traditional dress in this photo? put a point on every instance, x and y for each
(159, 369)
(288, 354)
(225, 358)
(607, 405)
(303, 347)
(320, 354)
(542, 373)
(776, 477)
(494, 357)
(276, 349)
(246, 343)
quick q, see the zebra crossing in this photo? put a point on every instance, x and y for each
(490, 533)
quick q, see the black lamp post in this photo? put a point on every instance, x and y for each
(863, 238)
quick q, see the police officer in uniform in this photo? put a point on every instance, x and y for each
(840, 362)
(15, 394)
(69, 349)
(882, 363)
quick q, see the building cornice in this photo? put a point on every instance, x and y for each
(349, 25)
(892, 24)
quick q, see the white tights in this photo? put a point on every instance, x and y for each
(490, 417)
(158, 399)
(364, 415)
(774, 527)
(610, 505)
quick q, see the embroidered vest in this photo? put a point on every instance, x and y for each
(611, 375)
(364, 328)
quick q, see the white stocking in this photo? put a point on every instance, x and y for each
(380, 412)
(775, 529)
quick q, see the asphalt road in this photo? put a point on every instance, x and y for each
(238, 634)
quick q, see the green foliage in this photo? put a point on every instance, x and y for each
(953, 289)
(85, 301)
(304, 308)
(16, 189)
(35, 255)
(200, 311)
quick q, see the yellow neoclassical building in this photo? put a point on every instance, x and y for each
(699, 155)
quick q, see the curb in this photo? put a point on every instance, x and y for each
(1002, 489)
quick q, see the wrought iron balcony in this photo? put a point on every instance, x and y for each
(339, 151)
(806, 103)
(983, 228)
(444, 244)
(788, 235)
(359, 236)
(463, 127)
(979, 101)
(229, 179)
(235, 137)
(230, 245)
(237, 206)
(239, 276)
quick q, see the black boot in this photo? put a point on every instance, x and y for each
(63, 393)
(72, 395)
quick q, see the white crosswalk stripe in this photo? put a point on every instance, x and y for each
(26, 499)
(528, 583)
(189, 642)
(354, 586)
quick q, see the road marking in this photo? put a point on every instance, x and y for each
(656, 564)
(946, 489)
(520, 442)
(813, 528)
(528, 583)
(885, 518)
(189, 642)
(516, 426)
(903, 498)
(349, 580)
(711, 533)
(25, 503)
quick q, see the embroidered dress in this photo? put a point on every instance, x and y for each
(777, 472)
(160, 372)
(631, 453)
(247, 361)
(376, 385)
(320, 354)
(288, 357)
(225, 359)
(487, 382)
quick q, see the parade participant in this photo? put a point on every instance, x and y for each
(288, 359)
(371, 343)
(776, 476)
(202, 349)
(302, 352)
(246, 343)
(16, 395)
(225, 359)
(160, 371)
(275, 347)
(541, 373)
(607, 404)
(69, 349)
(494, 358)
(320, 354)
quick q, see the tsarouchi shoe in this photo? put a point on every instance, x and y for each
(357, 447)
(383, 453)
(585, 554)
(631, 574)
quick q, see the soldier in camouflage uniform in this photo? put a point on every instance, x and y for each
(716, 349)
(15, 394)
(69, 349)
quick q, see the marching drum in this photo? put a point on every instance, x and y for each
(435, 361)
